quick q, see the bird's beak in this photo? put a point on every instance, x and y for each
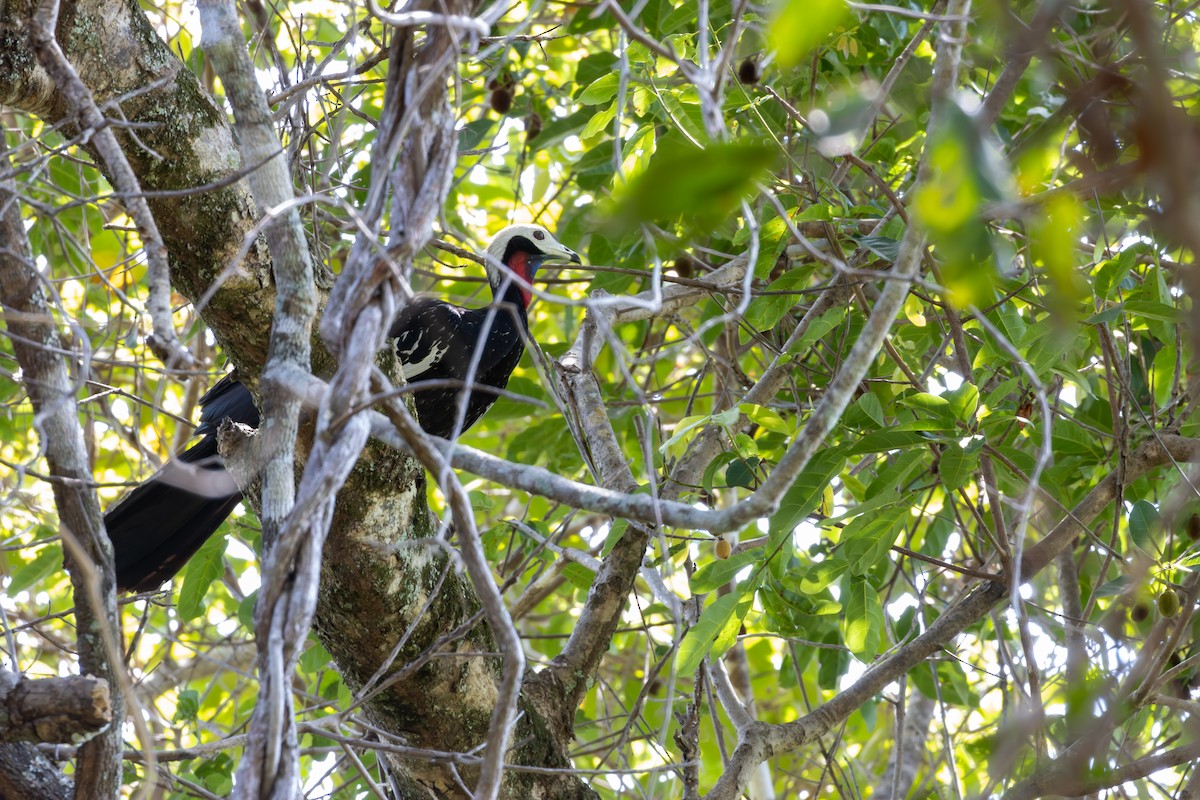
(557, 252)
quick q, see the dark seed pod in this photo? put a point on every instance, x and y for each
(685, 266)
(1024, 412)
(1193, 527)
(501, 100)
(1168, 603)
(748, 72)
(1140, 612)
(533, 126)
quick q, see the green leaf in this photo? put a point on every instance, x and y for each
(766, 419)
(963, 402)
(715, 574)
(578, 575)
(804, 495)
(1153, 310)
(745, 446)
(956, 466)
(200, 573)
(871, 407)
(930, 405)
(1110, 273)
(727, 417)
(682, 429)
(868, 538)
(560, 128)
(699, 639)
(740, 472)
(710, 472)
(773, 239)
(599, 121)
(702, 185)
(1116, 586)
(48, 559)
(615, 532)
(822, 574)
(894, 439)
(595, 168)
(600, 90)
(862, 625)
(187, 706)
(896, 474)
(818, 329)
(727, 636)
(1162, 374)
(952, 683)
(217, 773)
(832, 663)
(594, 66)
(315, 656)
(1143, 522)
(1105, 317)
(801, 25)
(765, 312)
(471, 135)
(885, 247)
(245, 612)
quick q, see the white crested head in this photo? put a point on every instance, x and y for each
(537, 245)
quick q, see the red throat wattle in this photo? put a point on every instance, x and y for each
(518, 262)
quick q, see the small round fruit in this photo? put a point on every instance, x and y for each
(533, 125)
(724, 548)
(748, 72)
(1168, 603)
(501, 100)
(1140, 612)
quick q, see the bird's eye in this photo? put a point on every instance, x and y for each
(539, 235)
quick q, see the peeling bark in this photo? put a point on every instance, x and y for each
(71, 709)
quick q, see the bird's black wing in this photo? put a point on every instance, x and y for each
(230, 398)
(437, 343)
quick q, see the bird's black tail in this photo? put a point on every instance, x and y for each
(158, 526)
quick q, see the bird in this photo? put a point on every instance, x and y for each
(158, 526)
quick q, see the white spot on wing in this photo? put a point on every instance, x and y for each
(412, 347)
(418, 368)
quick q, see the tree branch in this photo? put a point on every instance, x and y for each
(270, 768)
(164, 341)
(88, 556)
(72, 709)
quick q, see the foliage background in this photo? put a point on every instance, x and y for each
(1040, 346)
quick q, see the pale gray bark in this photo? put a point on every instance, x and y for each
(88, 553)
(910, 750)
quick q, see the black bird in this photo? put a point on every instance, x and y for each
(161, 524)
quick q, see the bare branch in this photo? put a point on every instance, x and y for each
(72, 709)
(165, 342)
(271, 767)
(89, 558)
